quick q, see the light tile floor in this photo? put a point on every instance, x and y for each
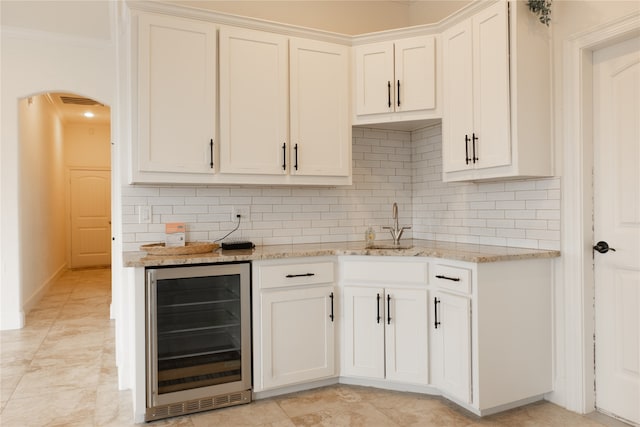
(60, 371)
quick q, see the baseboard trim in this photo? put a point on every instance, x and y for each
(30, 303)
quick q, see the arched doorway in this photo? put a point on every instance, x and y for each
(64, 188)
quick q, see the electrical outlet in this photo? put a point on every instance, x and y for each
(243, 211)
(144, 214)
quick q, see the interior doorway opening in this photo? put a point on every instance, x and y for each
(64, 188)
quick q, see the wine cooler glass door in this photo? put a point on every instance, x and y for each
(198, 332)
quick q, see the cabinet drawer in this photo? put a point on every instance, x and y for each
(277, 276)
(384, 271)
(452, 278)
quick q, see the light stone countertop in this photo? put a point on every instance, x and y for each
(415, 247)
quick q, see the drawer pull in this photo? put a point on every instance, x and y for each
(289, 276)
(453, 279)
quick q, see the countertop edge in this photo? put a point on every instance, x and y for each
(431, 249)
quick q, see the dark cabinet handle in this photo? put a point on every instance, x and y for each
(378, 307)
(466, 149)
(603, 247)
(436, 301)
(284, 156)
(295, 149)
(289, 276)
(211, 153)
(475, 138)
(388, 309)
(454, 279)
(331, 315)
(398, 94)
(389, 93)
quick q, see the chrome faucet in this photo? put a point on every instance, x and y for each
(396, 230)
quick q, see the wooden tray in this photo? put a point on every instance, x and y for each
(190, 248)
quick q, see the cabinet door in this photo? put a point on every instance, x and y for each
(415, 74)
(253, 101)
(491, 87)
(363, 332)
(406, 321)
(319, 84)
(457, 120)
(375, 92)
(297, 335)
(451, 345)
(176, 95)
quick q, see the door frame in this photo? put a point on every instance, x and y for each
(67, 191)
(577, 312)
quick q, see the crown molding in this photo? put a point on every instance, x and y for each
(238, 21)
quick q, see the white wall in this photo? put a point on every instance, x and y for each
(87, 145)
(344, 17)
(34, 62)
(42, 202)
(569, 19)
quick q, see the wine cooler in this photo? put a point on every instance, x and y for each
(198, 338)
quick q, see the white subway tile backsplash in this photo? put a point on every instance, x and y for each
(388, 166)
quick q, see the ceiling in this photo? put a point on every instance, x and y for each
(72, 108)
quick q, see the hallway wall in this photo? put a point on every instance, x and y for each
(42, 201)
(33, 62)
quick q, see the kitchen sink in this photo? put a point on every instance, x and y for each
(389, 246)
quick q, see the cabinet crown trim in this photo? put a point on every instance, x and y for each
(300, 31)
(221, 18)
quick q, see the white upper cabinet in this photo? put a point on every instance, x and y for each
(415, 66)
(284, 108)
(396, 77)
(253, 101)
(497, 96)
(375, 77)
(174, 109)
(319, 93)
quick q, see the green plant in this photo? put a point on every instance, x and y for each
(542, 8)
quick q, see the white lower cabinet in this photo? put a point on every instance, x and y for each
(382, 337)
(490, 332)
(384, 328)
(477, 333)
(294, 323)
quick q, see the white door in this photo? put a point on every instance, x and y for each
(491, 128)
(297, 335)
(363, 332)
(254, 108)
(176, 94)
(90, 212)
(320, 123)
(415, 68)
(375, 92)
(457, 121)
(451, 345)
(616, 77)
(406, 320)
